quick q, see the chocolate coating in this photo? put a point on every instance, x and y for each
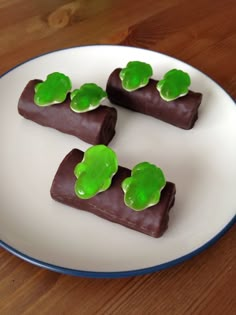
(110, 203)
(182, 112)
(95, 127)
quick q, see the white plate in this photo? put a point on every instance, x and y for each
(201, 162)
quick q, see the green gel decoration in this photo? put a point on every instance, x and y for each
(87, 98)
(174, 84)
(95, 172)
(143, 188)
(135, 75)
(53, 90)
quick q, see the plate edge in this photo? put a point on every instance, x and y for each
(118, 274)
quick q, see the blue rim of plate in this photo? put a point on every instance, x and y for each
(115, 274)
(118, 274)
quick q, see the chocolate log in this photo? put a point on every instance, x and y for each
(182, 112)
(110, 203)
(95, 127)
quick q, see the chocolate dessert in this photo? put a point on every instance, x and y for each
(95, 127)
(181, 112)
(110, 204)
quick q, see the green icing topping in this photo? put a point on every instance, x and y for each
(135, 75)
(95, 172)
(87, 98)
(174, 84)
(53, 90)
(143, 188)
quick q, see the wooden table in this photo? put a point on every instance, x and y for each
(201, 33)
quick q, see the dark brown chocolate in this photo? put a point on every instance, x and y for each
(182, 112)
(110, 203)
(95, 127)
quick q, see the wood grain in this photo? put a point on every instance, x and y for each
(201, 33)
(203, 285)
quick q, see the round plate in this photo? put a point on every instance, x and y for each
(200, 161)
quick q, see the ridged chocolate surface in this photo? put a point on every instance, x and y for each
(95, 127)
(182, 112)
(110, 203)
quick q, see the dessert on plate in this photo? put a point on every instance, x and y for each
(139, 199)
(169, 99)
(52, 104)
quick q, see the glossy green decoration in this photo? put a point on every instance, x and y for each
(87, 98)
(135, 75)
(143, 188)
(174, 84)
(94, 174)
(53, 90)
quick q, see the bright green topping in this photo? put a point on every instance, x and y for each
(53, 90)
(95, 172)
(174, 84)
(87, 98)
(143, 188)
(135, 75)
